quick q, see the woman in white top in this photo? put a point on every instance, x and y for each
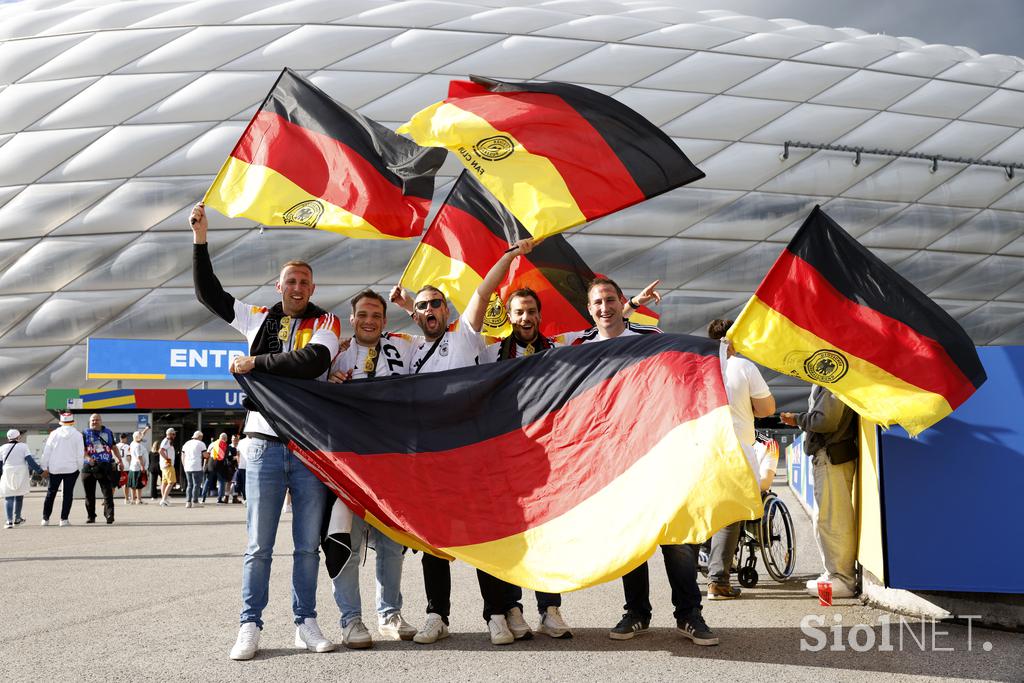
(137, 466)
(14, 482)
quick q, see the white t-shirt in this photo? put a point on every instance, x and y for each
(594, 335)
(243, 452)
(192, 455)
(167, 446)
(139, 458)
(743, 382)
(392, 358)
(458, 348)
(124, 450)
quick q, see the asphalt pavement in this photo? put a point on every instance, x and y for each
(156, 595)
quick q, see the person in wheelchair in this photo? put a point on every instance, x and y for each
(749, 397)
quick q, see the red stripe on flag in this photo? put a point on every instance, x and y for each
(558, 315)
(461, 237)
(326, 168)
(462, 496)
(593, 172)
(798, 291)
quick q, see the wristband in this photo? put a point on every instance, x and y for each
(633, 302)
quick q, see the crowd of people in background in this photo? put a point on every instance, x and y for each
(95, 456)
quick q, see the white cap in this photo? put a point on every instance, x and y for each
(197, 435)
(13, 434)
(66, 418)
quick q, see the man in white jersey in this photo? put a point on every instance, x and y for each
(372, 353)
(749, 397)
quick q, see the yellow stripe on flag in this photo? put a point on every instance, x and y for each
(429, 266)
(528, 184)
(695, 481)
(775, 341)
(264, 195)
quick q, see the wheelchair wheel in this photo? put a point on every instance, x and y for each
(778, 540)
(747, 577)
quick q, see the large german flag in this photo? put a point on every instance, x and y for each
(559, 471)
(470, 233)
(831, 312)
(557, 155)
(305, 159)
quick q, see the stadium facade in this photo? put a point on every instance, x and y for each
(115, 116)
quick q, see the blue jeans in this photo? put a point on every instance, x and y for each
(12, 506)
(272, 471)
(389, 575)
(195, 481)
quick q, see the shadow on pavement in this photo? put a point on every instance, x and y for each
(100, 558)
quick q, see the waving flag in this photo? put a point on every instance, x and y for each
(470, 233)
(557, 155)
(831, 312)
(305, 159)
(501, 465)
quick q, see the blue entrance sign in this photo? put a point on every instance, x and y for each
(160, 359)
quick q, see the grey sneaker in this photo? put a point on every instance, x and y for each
(552, 624)
(394, 627)
(520, 629)
(694, 628)
(355, 636)
(248, 642)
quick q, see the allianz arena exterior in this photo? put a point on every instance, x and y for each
(115, 116)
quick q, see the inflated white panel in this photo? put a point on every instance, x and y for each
(923, 61)
(870, 89)
(312, 47)
(659, 106)
(987, 232)
(688, 36)
(113, 15)
(67, 370)
(1003, 107)
(356, 88)
(603, 28)
(520, 57)
(34, 23)
(816, 32)
(605, 253)
(754, 216)
(29, 155)
(202, 156)
(107, 157)
(131, 92)
(941, 98)
(206, 47)
(903, 180)
(977, 186)
(616, 65)
(161, 314)
(359, 261)
(977, 72)
(825, 173)
(511, 20)
(211, 97)
(156, 199)
(21, 57)
(209, 12)
(742, 166)
(49, 205)
(887, 130)
(775, 45)
(17, 306)
(102, 53)
(24, 103)
(988, 279)
(927, 270)
(707, 72)
(416, 51)
(68, 317)
(844, 53)
(917, 227)
(308, 11)
(17, 365)
(52, 263)
(725, 117)
(811, 123)
(965, 139)
(400, 104)
(794, 81)
(416, 14)
(740, 22)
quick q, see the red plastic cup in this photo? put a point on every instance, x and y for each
(825, 593)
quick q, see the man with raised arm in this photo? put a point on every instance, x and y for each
(293, 338)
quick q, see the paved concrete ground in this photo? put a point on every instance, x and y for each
(156, 595)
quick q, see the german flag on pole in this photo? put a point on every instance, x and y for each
(557, 155)
(470, 233)
(831, 312)
(305, 159)
(562, 470)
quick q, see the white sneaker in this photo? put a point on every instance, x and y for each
(188, 504)
(164, 503)
(355, 636)
(552, 624)
(247, 643)
(500, 633)
(65, 522)
(45, 522)
(517, 625)
(9, 525)
(434, 629)
(840, 589)
(394, 627)
(812, 585)
(308, 636)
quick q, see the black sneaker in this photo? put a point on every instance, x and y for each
(629, 626)
(91, 520)
(694, 628)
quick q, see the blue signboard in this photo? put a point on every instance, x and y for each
(160, 359)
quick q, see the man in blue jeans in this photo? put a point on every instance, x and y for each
(293, 338)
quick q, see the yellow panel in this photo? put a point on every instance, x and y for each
(870, 552)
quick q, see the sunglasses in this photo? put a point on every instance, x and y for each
(433, 303)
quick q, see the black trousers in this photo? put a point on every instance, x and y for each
(437, 582)
(681, 566)
(56, 481)
(100, 475)
(501, 596)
